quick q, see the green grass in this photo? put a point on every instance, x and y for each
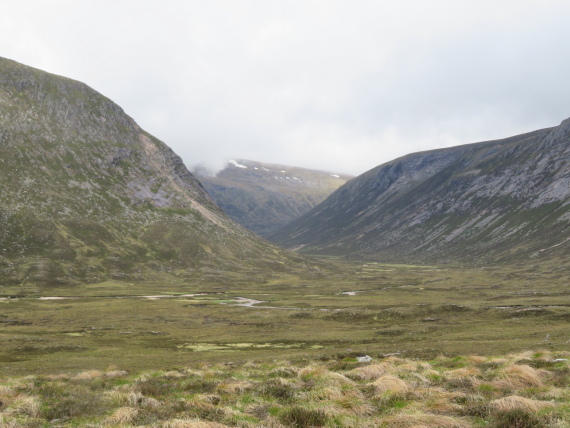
(414, 311)
(204, 358)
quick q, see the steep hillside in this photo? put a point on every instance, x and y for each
(264, 197)
(502, 200)
(87, 195)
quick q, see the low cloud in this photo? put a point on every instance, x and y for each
(322, 84)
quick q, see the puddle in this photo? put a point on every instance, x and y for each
(203, 347)
(159, 296)
(171, 295)
(248, 303)
(237, 301)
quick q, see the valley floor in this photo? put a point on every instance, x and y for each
(283, 352)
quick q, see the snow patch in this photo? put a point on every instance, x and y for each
(335, 176)
(236, 164)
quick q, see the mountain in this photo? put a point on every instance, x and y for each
(264, 197)
(87, 195)
(494, 201)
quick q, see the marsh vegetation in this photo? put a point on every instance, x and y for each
(117, 355)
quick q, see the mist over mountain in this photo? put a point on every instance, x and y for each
(504, 200)
(264, 197)
(86, 195)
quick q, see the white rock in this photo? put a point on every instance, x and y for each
(364, 359)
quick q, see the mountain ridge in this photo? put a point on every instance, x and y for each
(86, 195)
(264, 197)
(445, 205)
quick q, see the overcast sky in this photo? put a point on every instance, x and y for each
(335, 85)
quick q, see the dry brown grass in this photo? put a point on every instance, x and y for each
(174, 374)
(520, 376)
(192, 423)
(337, 378)
(524, 355)
(284, 371)
(312, 371)
(150, 403)
(463, 373)
(390, 386)
(408, 393)
(233, 387)
(324, 393)
(423, 420)
(57, 377)
(133, 399)
(116, 373)
(514, 402)
(475, 359)
(371, 372)
(437, 399)
(465, 377)
(123, 415)
(355, 402)
(24, 405)
(88, 375)
(7, 422)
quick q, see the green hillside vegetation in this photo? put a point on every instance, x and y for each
(87, 196)
(264, 197)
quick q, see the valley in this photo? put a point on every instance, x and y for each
(432, 290)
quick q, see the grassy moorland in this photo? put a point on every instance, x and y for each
(183, 352)
(522, 390)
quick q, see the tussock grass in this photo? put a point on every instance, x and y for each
(514, 402)
(88, 375)
(393, 392)
(424, 420)
(387, 386)
(371, 372)
(192, 423)
(521, 376)
(123, 415)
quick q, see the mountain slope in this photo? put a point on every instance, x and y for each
(264, 197)
(87, 195)
(495, 201)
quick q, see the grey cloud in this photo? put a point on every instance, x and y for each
(334, 85)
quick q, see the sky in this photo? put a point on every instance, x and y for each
(341, 86)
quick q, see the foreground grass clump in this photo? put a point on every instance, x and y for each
(519, 390)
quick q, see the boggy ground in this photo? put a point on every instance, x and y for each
(525, 390)
(412, 311)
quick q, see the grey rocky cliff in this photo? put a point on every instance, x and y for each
(493, 201)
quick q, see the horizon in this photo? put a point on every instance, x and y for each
(324, 85)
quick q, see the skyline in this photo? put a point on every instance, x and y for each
(327, 85)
